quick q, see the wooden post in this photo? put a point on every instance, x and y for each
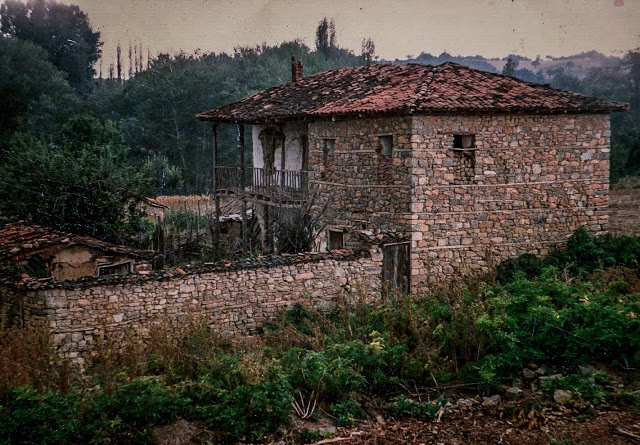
(245, 234)
(216, 196)
(282, 161)
(305, 165)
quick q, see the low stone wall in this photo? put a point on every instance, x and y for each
(235, 299)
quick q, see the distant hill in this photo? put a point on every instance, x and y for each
(534, 70)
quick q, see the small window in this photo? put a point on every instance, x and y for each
(329, 147)
(464, 141)
(114, 269)
(336, 239)
(386, 145)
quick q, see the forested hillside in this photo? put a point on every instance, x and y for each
(139, 115)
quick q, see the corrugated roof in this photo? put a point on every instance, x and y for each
(19, 241)
(404, 89)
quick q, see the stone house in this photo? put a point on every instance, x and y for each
(449, 169)
(46, 253)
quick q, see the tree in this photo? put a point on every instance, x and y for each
(326, 37)
(62, 30)
(35, 95)
(510, 68)
(368, 51)
(78, 181)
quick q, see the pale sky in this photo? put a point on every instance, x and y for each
(492, 28)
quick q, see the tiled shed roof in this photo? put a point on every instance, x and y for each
(19, 241)
(404, 89)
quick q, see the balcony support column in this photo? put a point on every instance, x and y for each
(283, 158)
(243, 193)
(216, 196)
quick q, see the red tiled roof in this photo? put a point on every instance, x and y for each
(404, 89)
(19, 241)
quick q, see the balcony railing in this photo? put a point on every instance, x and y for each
(284, 185)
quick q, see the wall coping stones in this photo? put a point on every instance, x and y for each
(263, 262)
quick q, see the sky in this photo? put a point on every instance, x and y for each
(492, 28)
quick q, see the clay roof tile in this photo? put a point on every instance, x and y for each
(405, 89)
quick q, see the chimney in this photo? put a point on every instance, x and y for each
(296, 70)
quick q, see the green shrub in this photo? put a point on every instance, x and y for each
(403, 407)
(27, 416)
(247, 411)
(346, 412)
(311, 436)
(140, 403)
(576, 383)
(583, 254)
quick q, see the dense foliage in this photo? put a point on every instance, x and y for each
(476, 335)
(63, 31)
(77, 180)
(35, 95)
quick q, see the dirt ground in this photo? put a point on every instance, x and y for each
(624, 208)
(603, 428)
(471, 425)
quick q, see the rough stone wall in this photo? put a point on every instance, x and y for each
(535, 179)
(365, 188)
(234, 301)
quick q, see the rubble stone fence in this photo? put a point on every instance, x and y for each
(234, 299)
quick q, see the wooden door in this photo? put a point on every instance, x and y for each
(396, 268)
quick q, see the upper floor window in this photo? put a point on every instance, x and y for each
(386, 145)
(464, 141)
(464, 158)
(329, 146)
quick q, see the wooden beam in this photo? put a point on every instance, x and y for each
(216, 196)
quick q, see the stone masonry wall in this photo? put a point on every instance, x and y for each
(364, 188)
(536, 179)
(237, 301)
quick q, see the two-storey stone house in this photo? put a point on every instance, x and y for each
(449, 168)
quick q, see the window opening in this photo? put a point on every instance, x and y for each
(114, 269)
(336, 239)
(464, 141)
(386, 145)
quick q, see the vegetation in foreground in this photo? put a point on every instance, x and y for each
(575, 307)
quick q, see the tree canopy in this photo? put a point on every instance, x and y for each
(62, 30)
(35, 95)
(79, 180)
(326, 37)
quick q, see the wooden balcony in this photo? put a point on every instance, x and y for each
(288, 186)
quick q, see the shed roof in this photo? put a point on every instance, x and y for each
(404, 89)
(19, 241)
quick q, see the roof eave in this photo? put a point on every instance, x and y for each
(605, 108)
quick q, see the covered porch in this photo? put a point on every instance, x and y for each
(273, 173)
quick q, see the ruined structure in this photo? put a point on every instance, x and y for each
(449, 167)
(46, 253)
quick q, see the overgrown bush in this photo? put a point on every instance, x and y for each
(404, 407)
